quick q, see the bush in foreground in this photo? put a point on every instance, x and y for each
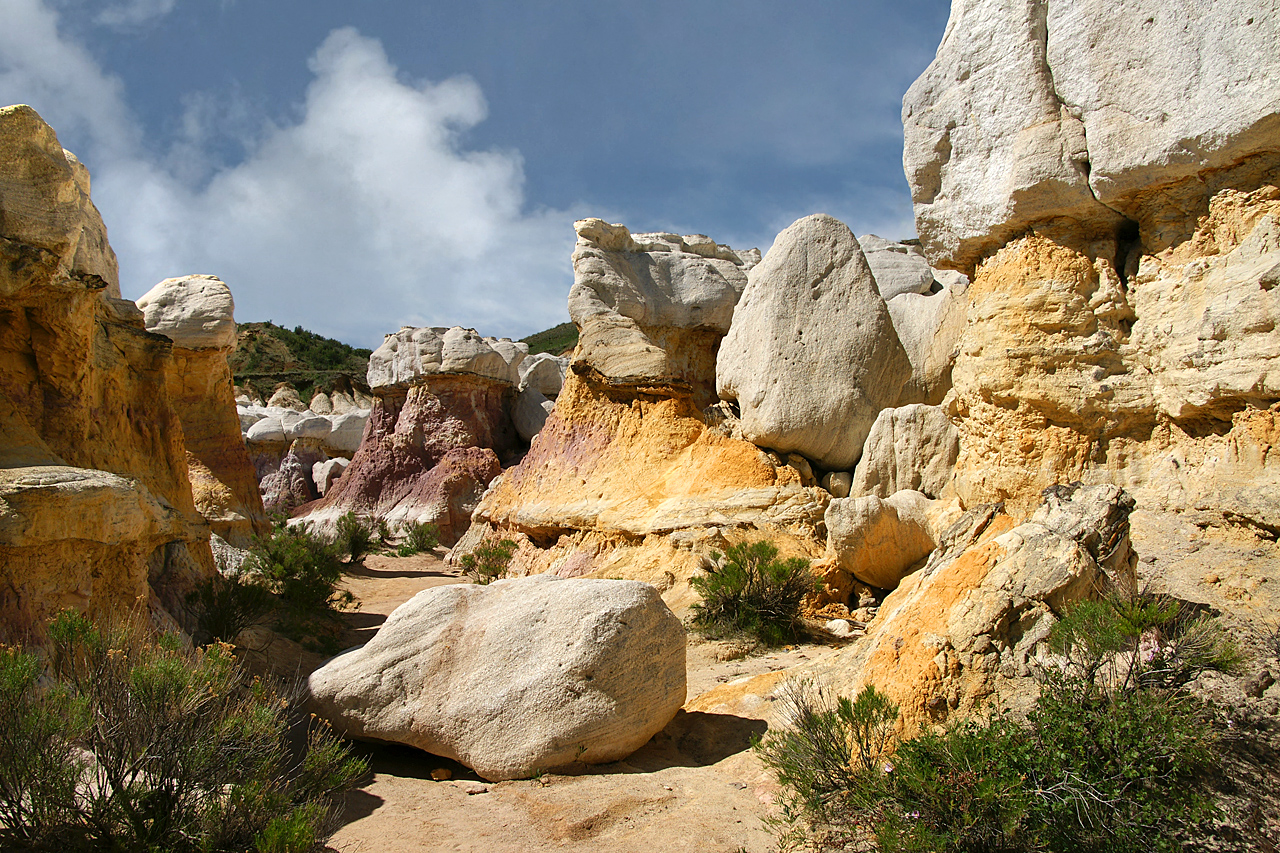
(419, 537)
(134, 743)
(353, 537)
(753, 593)
(1114, 757)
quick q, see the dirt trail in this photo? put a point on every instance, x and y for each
(695, 786)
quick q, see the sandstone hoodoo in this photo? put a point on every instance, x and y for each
(514, 678)
(196, 313)
(96, 504)
(441, 423)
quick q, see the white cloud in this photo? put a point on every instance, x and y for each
(365, 213)
(134, 13)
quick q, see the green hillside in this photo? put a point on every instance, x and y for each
(267, 354)
(558, 340)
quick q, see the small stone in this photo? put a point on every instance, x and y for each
(1212, 577)
(475, 788)
(442, 774)
(840, 627)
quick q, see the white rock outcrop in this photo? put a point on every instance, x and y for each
(513, 678)
(194, 311)
(897, 267)
(650, 307)
(1033, 111)
(544, 372)
(929, 326)
(911, 447)
(411, 354)
(812, 356)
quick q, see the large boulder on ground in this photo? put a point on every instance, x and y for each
(1087, 113)
(910, 447)
(812, 356)
(514, 678)
(651, 308)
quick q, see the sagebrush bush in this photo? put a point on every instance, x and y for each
(419, 537)
(302, 571)
(1113, 757)
(135, 743)
(224, 605)
(754, 593)
(353, 537)
(489, 561)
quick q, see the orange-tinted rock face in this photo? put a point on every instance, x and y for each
(96, 507)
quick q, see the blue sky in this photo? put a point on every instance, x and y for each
(355, 167)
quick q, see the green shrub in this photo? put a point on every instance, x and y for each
(139, 744)
(353, 537)
(753, 593)
(489, 561)
(1113, 757)
(225, 605)
(419, 537)
(303, 573)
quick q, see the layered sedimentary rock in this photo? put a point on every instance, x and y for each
(812, 356)
(651, 308)
(1118, 214)
(441, 423)
(88, 432)
(1088, 113)
(966, 627)
(515, 678)
(196, 313)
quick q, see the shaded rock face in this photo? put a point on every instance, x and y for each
(458, 424)
(88, 429)
(967, 626)
(812, 356)
(911, 447)
(514, 678)
(1088, 113)
(651, 308)
(196, 313)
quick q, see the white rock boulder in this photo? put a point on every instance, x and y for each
(194, 311)
(410, 354)
(346, 434)
(911, 447)
(812, 356)
(897, 267)
(520, 676)
(544, 372)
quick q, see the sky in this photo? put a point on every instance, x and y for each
(357, 167)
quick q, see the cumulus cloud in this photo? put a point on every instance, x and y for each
(365, 212)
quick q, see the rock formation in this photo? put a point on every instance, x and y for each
(812, 357)
(441, 423)
(651, 308)
(515, 678)
(96, 505)
(196, 313)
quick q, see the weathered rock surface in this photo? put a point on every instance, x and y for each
(1088, 112)
(530, 412)
(929, 327)
(966, 626)
(89, 435)
(651, 308)
(876, 541)
(910, 447)
(323, 474)
(896, 267)
(514, 678)
(812, 356)
(197, 313)
(411, 354)
(545, 373)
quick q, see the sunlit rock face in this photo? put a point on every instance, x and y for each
(440, 425)
(96, 504)
(196, 312)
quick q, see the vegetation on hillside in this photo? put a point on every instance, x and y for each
(267, 354)
(557, 340)
(1116, 755)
